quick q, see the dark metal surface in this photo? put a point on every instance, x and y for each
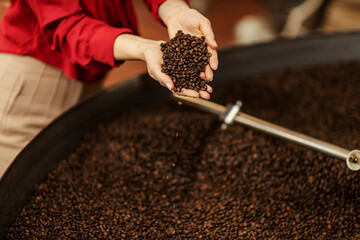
(63, 135)
(319, 49)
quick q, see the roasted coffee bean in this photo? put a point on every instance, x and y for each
(185, 57)
(168, 171)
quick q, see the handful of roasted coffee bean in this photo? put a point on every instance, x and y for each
(185, 57)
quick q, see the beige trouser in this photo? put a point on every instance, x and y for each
(32, 94)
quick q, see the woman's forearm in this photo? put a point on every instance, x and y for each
(131, 47)
(170, 8)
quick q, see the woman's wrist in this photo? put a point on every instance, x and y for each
(131, 47)
(171, 8)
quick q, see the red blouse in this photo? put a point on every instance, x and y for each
(76, 36)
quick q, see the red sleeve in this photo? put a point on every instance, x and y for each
(84, 40)
(153, 5)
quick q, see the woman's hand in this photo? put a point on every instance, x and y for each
(178, 16)
(153, 59)
(131, 47)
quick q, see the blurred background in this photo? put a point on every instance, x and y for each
(246, 22)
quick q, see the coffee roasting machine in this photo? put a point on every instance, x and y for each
(62, 136)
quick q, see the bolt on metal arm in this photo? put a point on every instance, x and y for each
(232, 114)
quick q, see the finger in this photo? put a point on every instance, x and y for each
(206, 29)
(209, 73)
(202, 75)
(167, 82)
(163, 79)
(209, 89)
(189, 93)
(204, 94)
(214, 62)
(155, 72)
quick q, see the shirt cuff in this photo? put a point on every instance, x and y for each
(102, 44)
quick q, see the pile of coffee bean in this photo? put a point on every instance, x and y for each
(171, 172)
(184, 58)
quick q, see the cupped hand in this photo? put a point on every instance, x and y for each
(153, 59)
(192, 22)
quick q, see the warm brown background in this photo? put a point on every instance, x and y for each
(343, 15)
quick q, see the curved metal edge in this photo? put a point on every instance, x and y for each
(236, 62)
(64, 134)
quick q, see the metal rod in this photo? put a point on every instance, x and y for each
(292, 136)
(205, 105)
(352, 158)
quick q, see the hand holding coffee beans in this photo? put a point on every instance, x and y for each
(185, 57)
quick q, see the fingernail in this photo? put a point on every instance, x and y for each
(215, 43)
(168, 86)
(214, 67)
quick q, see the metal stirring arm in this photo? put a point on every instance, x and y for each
(232, 114)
